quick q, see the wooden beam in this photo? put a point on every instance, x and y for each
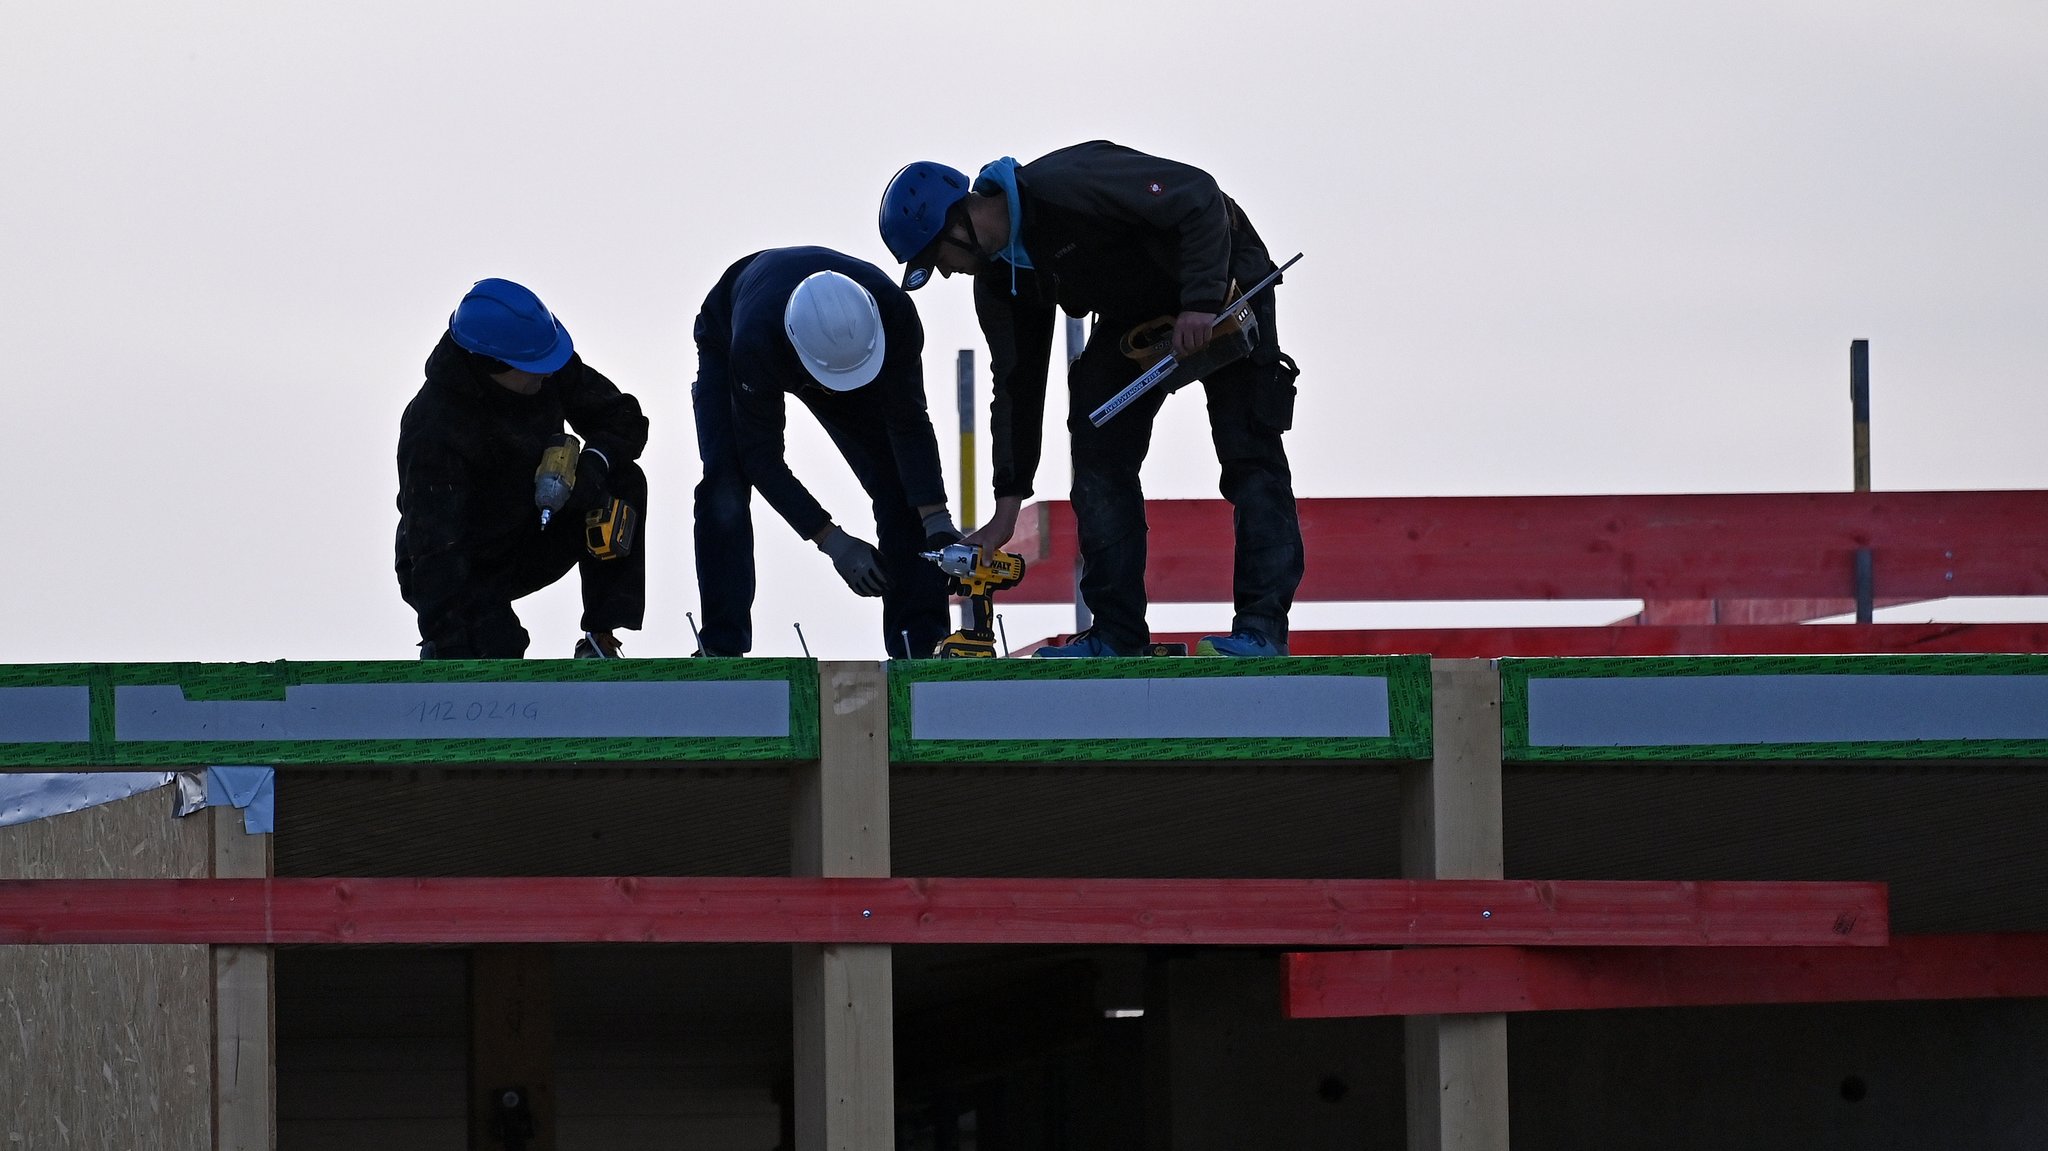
(244, 1004)
(1443, 980)
(667, 909)
(1651, 547)
(1700, 639)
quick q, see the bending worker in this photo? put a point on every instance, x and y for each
(839, 335)
(1101, 228)
(470, 541)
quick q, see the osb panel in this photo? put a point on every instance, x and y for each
(107, 1046)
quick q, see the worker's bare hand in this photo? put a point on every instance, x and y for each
(1191, 331)
(991, 536)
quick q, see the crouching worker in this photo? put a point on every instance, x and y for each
(840, 336)
(482, 455)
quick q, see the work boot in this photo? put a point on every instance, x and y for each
(1087, 645)
(1242, 642)
(706, 652)
(598, 645)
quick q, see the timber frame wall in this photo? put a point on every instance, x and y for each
(1450, 727)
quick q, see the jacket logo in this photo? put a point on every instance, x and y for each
(1156, 188)
(1063, 251)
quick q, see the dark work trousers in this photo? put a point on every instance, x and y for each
(916, 600)
(1251, 402)
(614, 590)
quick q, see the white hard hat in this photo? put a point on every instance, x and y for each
(836, 330)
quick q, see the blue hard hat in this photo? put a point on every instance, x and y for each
(505, 321)
(914, 208)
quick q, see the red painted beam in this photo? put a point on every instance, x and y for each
(1463, 980)
(1269, 912)
(1796, 545)
(1637, 639)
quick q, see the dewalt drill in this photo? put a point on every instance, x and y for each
(608, 530)
(978, 581)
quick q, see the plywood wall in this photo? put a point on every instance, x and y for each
(107, 1046)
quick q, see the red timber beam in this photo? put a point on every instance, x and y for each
(1701, 639)
(1774, 546)
(1462, 980)
(1259, 912)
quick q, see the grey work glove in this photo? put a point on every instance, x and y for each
(857, 561)
(939, 530)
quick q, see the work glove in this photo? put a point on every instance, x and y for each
(939, 530)
(857, 561)
(592, 469)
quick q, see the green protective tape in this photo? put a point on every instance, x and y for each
(1408, 711)
(1516, 675)
(269, 683)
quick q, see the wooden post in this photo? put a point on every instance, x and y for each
(244, 1006)
(843, 998)
(511, 1048)
(1451, 829)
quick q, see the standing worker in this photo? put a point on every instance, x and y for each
(1134, 239)
(839, 335)
(470, 536)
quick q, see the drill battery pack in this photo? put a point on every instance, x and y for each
(609, 531)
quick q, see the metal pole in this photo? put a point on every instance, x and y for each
(1859, 403)
(1077, 339)
(965, 396)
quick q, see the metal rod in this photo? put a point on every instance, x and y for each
(964, 397)
(1859, 404)
(800, 641)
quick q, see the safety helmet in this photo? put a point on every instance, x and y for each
(914, 208)
(836, 330)
(506, 322)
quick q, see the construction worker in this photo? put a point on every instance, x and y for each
(840, 336)
(1101, 228)
(499, 385)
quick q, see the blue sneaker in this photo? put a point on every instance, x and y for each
(1083, 646)
(1243, 642)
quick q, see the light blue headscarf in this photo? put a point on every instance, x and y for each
(1003, 174)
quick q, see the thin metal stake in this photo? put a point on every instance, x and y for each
(906, 644)
(800, 641)
(1859, 405)
(1003, 635)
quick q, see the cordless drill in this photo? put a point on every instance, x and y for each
(610, 529)
(556, 475)
(978, 581)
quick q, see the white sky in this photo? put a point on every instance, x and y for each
(1570, 247)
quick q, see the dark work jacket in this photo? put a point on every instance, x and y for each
(467, 450)
(1111, 231)
(743, 351)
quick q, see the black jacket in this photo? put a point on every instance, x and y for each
(744, 352)
(467, 450)
(1112, 231)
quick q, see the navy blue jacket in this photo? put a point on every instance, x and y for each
(743, 350)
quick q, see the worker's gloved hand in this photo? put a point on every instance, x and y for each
(939, 530)
(857, 561)
(592, 469)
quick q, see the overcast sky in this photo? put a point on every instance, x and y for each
(1571, 247)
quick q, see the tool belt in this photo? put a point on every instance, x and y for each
(1229, 341)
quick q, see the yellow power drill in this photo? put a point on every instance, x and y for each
(978, 581)
(609, 530)
(556, 476)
